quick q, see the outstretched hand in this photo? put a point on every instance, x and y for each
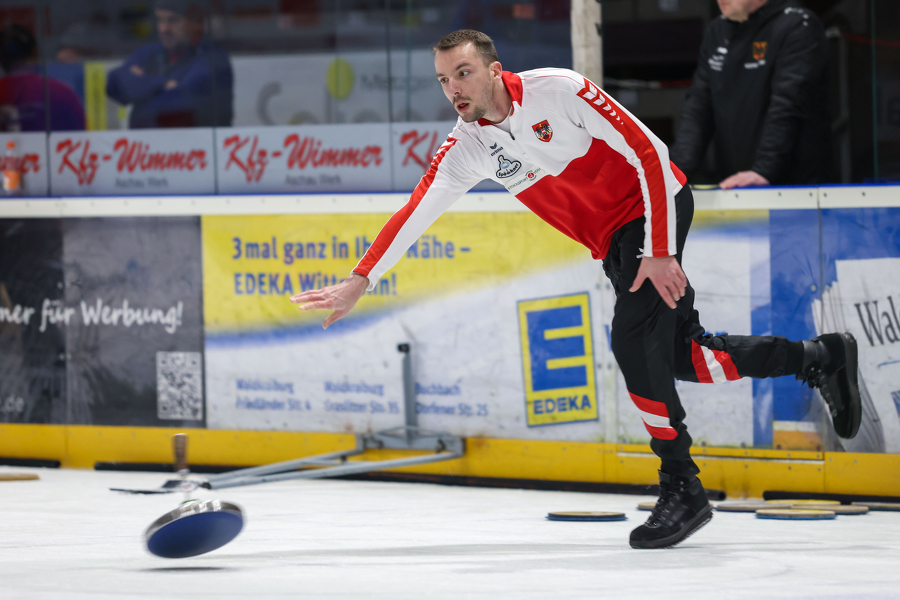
(340, 298)
(666, 275)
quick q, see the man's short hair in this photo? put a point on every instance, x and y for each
(484, 45)
(17, 45)
(190, 9)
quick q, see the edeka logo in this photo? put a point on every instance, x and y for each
(558, 360)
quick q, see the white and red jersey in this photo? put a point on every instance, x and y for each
(573, 156)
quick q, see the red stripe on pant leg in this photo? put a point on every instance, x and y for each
(661, 433)
(724, 359)
(699, 361)
(654, 407)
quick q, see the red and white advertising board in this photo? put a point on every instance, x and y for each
(326, 158)
(29, 159)
(305, 159)
(415, 144)
(139, 162)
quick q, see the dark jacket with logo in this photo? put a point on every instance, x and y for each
(760, 93)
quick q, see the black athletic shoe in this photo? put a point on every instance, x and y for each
(681, 510)
(830, 365)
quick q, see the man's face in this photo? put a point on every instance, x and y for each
(739, 10)
(466, 80)
(171, 28)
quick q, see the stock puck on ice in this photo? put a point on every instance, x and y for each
(194, 528)
(892, 506)
(18, 477)
(746, 506)
(838, 509)
(796, 503)
(650, 505)
(801, 514)
(586, 516)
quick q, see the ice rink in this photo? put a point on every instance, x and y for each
(68, 536)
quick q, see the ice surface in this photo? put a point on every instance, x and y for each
(67, 536)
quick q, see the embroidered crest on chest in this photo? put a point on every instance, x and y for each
(543, 131)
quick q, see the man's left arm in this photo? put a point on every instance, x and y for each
(800, 64)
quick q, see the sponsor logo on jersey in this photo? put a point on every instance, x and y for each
(508, 168)
(759, 50)
(543, 131)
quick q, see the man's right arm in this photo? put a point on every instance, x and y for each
(126, 87)
(697, 125)
(449, 177)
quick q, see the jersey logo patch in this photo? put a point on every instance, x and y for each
(508, 168)
(759, 50)
(543, 131)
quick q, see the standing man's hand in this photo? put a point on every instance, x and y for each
(136, 70)
(340, 298)
(743, 179)
(666, 275)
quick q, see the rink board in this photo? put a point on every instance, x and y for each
(485, 298)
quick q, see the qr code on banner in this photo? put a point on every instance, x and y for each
(179, 388)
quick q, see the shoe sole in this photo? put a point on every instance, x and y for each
(702, 518)
(849, 388)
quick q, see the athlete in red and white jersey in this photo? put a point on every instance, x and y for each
(567, 151)
(585, 165)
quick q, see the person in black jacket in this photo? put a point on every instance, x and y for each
(760, 93)
(183, 80)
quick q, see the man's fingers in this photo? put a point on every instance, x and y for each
(310, 296)
(316, 305)
(638, 282)
(332, 318)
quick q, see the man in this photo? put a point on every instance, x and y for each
(760, 93)
(181, 81)
(26, 97)
(582, 163)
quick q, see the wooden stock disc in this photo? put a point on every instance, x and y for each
(838, 509)
(18, 477)
(892, 506)
(647, 505)
(791, 514)
(586, 516)
(738, 506)
(799, 502)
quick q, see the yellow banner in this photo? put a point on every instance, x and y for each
(95, 95)
(558, 360)
(253, 264)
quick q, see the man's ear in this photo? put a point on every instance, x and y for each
(496, 68)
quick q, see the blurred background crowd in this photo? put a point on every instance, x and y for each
(137, 64)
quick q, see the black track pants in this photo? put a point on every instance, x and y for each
(654, 345)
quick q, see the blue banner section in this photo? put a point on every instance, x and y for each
(796, 282)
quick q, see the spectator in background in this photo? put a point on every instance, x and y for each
(760, 93)
(25, 94)
(184, 80)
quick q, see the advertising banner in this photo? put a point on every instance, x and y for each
(133, 324)
(508, 322)
(454, 297)
(32, 339)
(141, 162)
(350, 87)
(326, 158)
(28, 157)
